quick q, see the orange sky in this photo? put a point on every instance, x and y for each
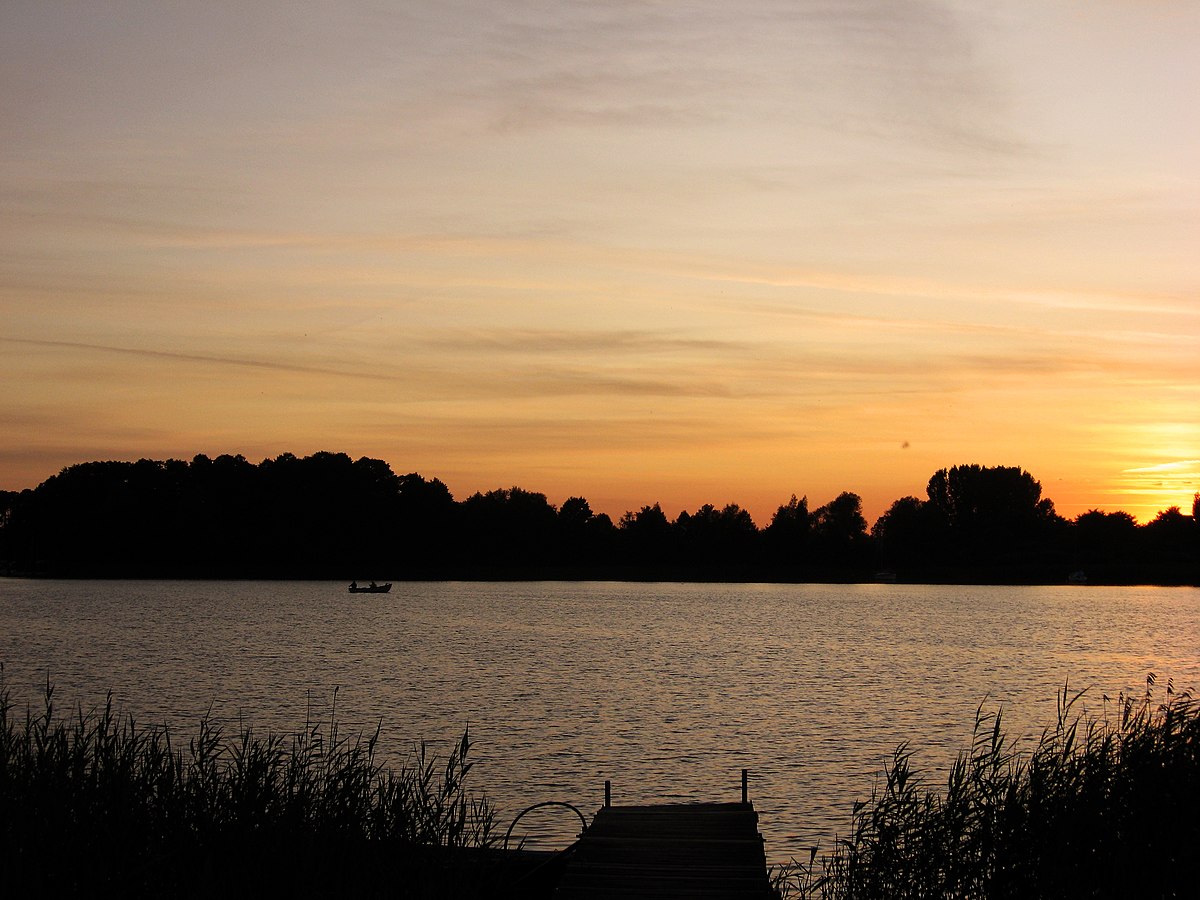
(631, 251)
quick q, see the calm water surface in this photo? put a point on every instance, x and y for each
(668, 690)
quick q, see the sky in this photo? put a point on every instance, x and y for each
(635, 251)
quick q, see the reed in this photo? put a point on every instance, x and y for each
(94, 802)
(1099, 807)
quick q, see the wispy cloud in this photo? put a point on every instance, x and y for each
(1145, 490)
(1189, 468)
(202, 358)
(903, 69)
(529, 341)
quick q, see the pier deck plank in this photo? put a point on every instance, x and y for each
(701, 850)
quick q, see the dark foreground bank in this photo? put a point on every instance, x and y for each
(91, 803)
(95, 804)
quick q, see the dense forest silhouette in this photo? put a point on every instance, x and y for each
(328, 516)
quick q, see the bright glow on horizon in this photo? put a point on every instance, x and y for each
(632, 252)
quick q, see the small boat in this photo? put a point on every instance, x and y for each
(372, 588)
(1077, 577)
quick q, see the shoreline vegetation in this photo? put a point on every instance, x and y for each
(329, 517)
(1098, 808)
(90, 801)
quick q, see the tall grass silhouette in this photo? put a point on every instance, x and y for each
(93, 801)
(1099, 807)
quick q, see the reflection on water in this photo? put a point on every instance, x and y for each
(667, 690)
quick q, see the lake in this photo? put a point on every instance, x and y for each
(668, 690)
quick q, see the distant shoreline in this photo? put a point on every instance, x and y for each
(551, 578)
(328, 517)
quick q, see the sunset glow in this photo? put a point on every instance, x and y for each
(638, 252)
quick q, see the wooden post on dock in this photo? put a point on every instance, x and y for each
(745, 785)
(607, 793)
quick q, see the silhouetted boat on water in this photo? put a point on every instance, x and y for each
(372, 588)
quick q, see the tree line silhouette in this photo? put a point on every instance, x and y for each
(328, 516)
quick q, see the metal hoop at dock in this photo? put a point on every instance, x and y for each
(582, 818)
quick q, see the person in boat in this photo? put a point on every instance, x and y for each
(373, 584)
(353, 585)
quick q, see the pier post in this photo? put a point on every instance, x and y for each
(745, 786)
(607, 793)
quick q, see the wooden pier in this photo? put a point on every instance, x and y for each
(701, 850)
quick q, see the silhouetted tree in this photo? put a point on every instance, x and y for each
(89, 519)
(1170, 539)
(427, 539)
(905, 536)
(1106, 544)
(8, 508)
(991, 517)
(587, 539)
(508, 531)
(649, 520)
(716, 542)
(785, 539)
(1196, 524)
(647, 541)
(840, 533)
(575, 512)
(326, 512)
(15, 553)
(231, 527)
(423, 500)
